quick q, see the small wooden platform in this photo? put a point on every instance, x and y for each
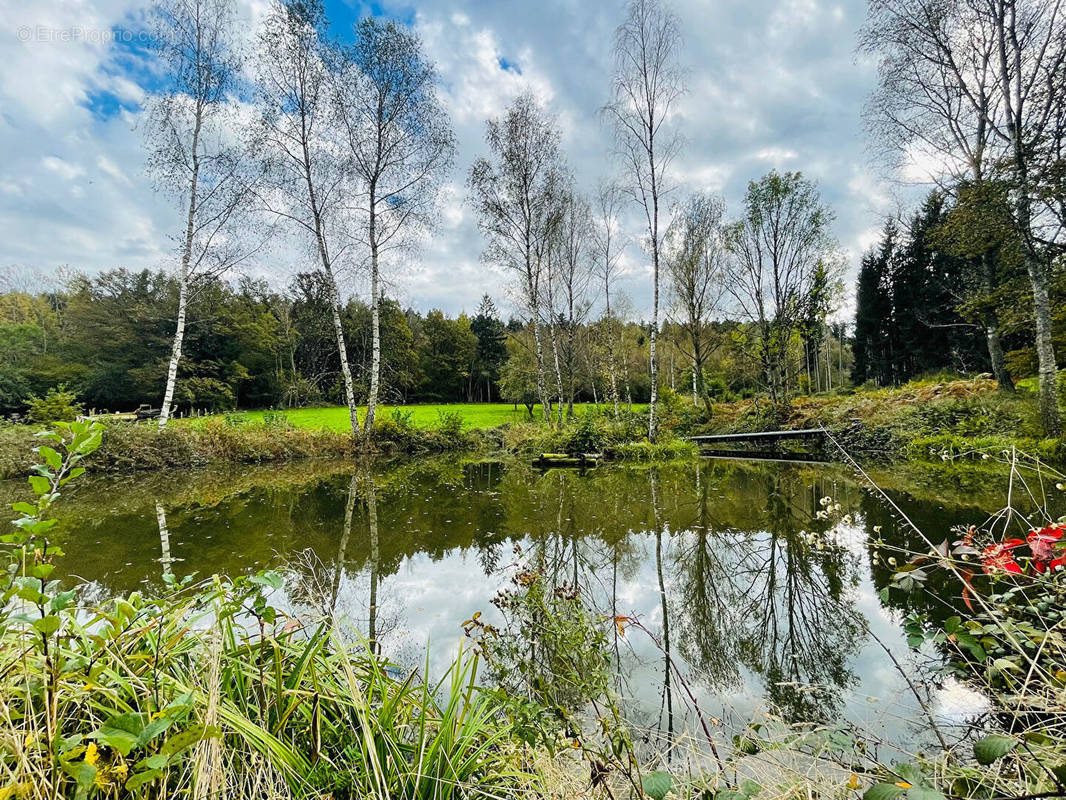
(580, 461)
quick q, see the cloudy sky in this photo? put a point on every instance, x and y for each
(772, 84)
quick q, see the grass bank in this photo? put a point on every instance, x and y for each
(923, 421)
(275, 436)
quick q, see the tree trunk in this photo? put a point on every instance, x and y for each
(375, 559)
(183, 276)
(375, 326)
(610, 358)
(175, 351)
(995, 353)
(542, 392)
(165, 557)
(342, 351)
(1045, 350)
(558, 370)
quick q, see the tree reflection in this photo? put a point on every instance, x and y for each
(165, 558)
(774, 599)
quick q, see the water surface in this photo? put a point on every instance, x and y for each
(724, 562)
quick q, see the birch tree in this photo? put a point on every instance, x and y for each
(401, 148)
(647, 84)
(695, 268)
(515, 193)
(309, 172)
(574, 278)
(607, 248)
(193, 152)
(780, 249)
(983, 82)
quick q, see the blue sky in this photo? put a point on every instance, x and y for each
(772, 84)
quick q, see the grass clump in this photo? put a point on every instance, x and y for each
(209, 691)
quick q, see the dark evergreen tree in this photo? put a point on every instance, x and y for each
(907, 319)
(491, 352)
(872, 347)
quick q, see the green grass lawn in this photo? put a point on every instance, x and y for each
(475, 415)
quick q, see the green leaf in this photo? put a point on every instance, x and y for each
(970, 643)
(154, 728)
(40, 485)
(267, 578)
(63, 600)
(992, 748)
(42, 571)
(158, 761)
(188, 737)
(50, 456)
(746, 745)
(47, 625)
(24, 508)
(750, 788)
(657, 784)
(122, 732)
(924, 793)
(139, 779)
(883, 791)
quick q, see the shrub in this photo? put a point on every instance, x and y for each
(450, 426)
(587, 437)
(58, 405)
(276, 419)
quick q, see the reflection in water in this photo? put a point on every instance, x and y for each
(165, 559)
(750, 598)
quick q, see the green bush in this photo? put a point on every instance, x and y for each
(58, 405)
(589, 436)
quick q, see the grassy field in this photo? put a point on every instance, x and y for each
(475, 415)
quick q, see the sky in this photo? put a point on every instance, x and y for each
(772, 84)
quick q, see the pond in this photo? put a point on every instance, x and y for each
(724, 562)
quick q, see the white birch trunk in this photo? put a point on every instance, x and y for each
(375, 324)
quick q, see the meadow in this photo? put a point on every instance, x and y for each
(475, 415)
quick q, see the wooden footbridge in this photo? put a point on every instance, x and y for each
(816, 435)
(765, 444)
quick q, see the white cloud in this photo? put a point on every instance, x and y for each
(773, 83)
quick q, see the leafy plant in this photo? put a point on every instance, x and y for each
(58, 405)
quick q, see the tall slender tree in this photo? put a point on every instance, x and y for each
(695, 269)
(194, 151)
(647, 84)
(516, 195)
(607, 246)
(309, 169)
(574, 275)
(401, 147)
(780, 247)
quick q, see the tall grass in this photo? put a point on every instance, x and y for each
(208, 691)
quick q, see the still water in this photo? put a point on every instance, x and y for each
(725, 563)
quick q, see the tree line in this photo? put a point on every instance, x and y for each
(930, 297)
(107, 338)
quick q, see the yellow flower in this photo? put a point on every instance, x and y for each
(92, 754)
